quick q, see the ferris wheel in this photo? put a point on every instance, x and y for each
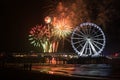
(88, 39)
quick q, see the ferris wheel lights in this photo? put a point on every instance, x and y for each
(88, 39)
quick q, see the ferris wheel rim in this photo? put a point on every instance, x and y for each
(95, 26)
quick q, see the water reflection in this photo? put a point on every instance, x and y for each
(70, 70)
(92, 70)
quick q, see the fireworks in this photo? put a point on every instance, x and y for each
(39, 37)
(62, 28)
(62, 24)
(58, 27)
(34, 35)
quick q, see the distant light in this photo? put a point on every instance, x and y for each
(116, 54)
(50, 72)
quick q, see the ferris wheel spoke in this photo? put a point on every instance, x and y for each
(85, 31)
(98, 35)
(83, 48)
(82, 30)
(98, 43)
(86, 49)
(99, 39)
(93, 48)
(79, 46)
(77, 38)
(82, 33)
(89, 29)
(78, 42)
(95, 32)
(90, 49)
(79, 34)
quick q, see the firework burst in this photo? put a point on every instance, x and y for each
(62, 28)
(39, 37)
(34, 35)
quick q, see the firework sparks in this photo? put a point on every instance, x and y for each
(39, 37)
(62, 28)
(34, 36)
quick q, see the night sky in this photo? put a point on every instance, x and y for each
(18, 17)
